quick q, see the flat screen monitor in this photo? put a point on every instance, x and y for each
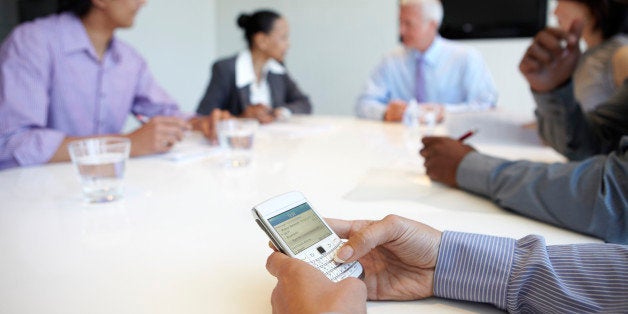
(470, 19)
(29, 10)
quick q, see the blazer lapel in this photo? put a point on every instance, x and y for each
(244, 96)
(276, 86)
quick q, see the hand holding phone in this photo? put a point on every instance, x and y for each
(298, 231)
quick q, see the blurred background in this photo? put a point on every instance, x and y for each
(334, 44)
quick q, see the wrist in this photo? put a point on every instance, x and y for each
(550, 88)
(351, 297)
(135, 149)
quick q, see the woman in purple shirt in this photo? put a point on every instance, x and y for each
(67, 76)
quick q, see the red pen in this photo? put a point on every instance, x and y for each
(467, 135)
(142, 118)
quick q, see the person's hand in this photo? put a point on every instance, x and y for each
(260, 112)
(398, 255)
(394, 111)
(158, 135)
(552, 57)
(282, 113)
(301, 288)
(207, 124)
(442, 158)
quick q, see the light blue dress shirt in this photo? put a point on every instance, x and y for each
(526, 276)
(456, 77)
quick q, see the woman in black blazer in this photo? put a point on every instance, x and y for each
(254, 83)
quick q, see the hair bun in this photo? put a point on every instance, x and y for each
(244, 20)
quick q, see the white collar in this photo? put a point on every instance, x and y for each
(245, 74)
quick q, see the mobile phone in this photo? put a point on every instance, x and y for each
(298, 231)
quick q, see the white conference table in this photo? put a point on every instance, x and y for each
(183, 240)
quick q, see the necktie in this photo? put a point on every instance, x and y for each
(419, 80)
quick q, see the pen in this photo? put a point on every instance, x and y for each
(467, 135)
(142, 119)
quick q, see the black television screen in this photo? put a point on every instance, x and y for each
(468, 19)
(32, 9)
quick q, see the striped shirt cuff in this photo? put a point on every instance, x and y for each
(473, 267)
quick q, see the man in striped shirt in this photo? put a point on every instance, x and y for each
(407, 260)
(66, 76)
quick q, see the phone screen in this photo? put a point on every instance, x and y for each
(300, 227)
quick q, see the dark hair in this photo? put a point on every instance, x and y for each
(610, 16)
(259, 21)
(78, 7)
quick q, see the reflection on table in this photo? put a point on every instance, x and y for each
(182, 239)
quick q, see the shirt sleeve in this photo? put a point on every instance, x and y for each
(25, 138)
(578, 135)
(151, 99)
(296, 100)
(373, 100)
(528, 276)
(481, 93)
(587, 197)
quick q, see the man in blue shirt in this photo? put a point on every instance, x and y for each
(428, 68)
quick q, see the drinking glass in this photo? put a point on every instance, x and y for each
(237, 136)
(100, 163)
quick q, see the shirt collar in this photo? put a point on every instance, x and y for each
(430, 56)
(75, 38)
(245, 73)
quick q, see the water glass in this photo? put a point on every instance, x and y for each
(236, 136)
(430, 115)
(100, 163)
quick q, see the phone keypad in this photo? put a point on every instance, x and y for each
(334, 271)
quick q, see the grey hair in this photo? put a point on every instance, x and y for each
(432, 9)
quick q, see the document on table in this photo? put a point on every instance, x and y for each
(295, 130)
(393, 184)
(193, 147)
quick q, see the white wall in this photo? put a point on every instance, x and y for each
(335, 45)
(178, 41)
(502, 57)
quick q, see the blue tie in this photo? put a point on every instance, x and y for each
(419, 81)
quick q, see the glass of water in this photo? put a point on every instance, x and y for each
(100, 163)
(236, 136)
(430, 115)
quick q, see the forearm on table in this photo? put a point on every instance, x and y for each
(30, 146)
(299, 106)
(585, 197)
(370, 109)
(582, 278)
(527, 276)
(471, 106)
(473, 267)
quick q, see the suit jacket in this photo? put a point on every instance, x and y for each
(223, 93)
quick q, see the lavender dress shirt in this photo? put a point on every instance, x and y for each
(52, 86)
